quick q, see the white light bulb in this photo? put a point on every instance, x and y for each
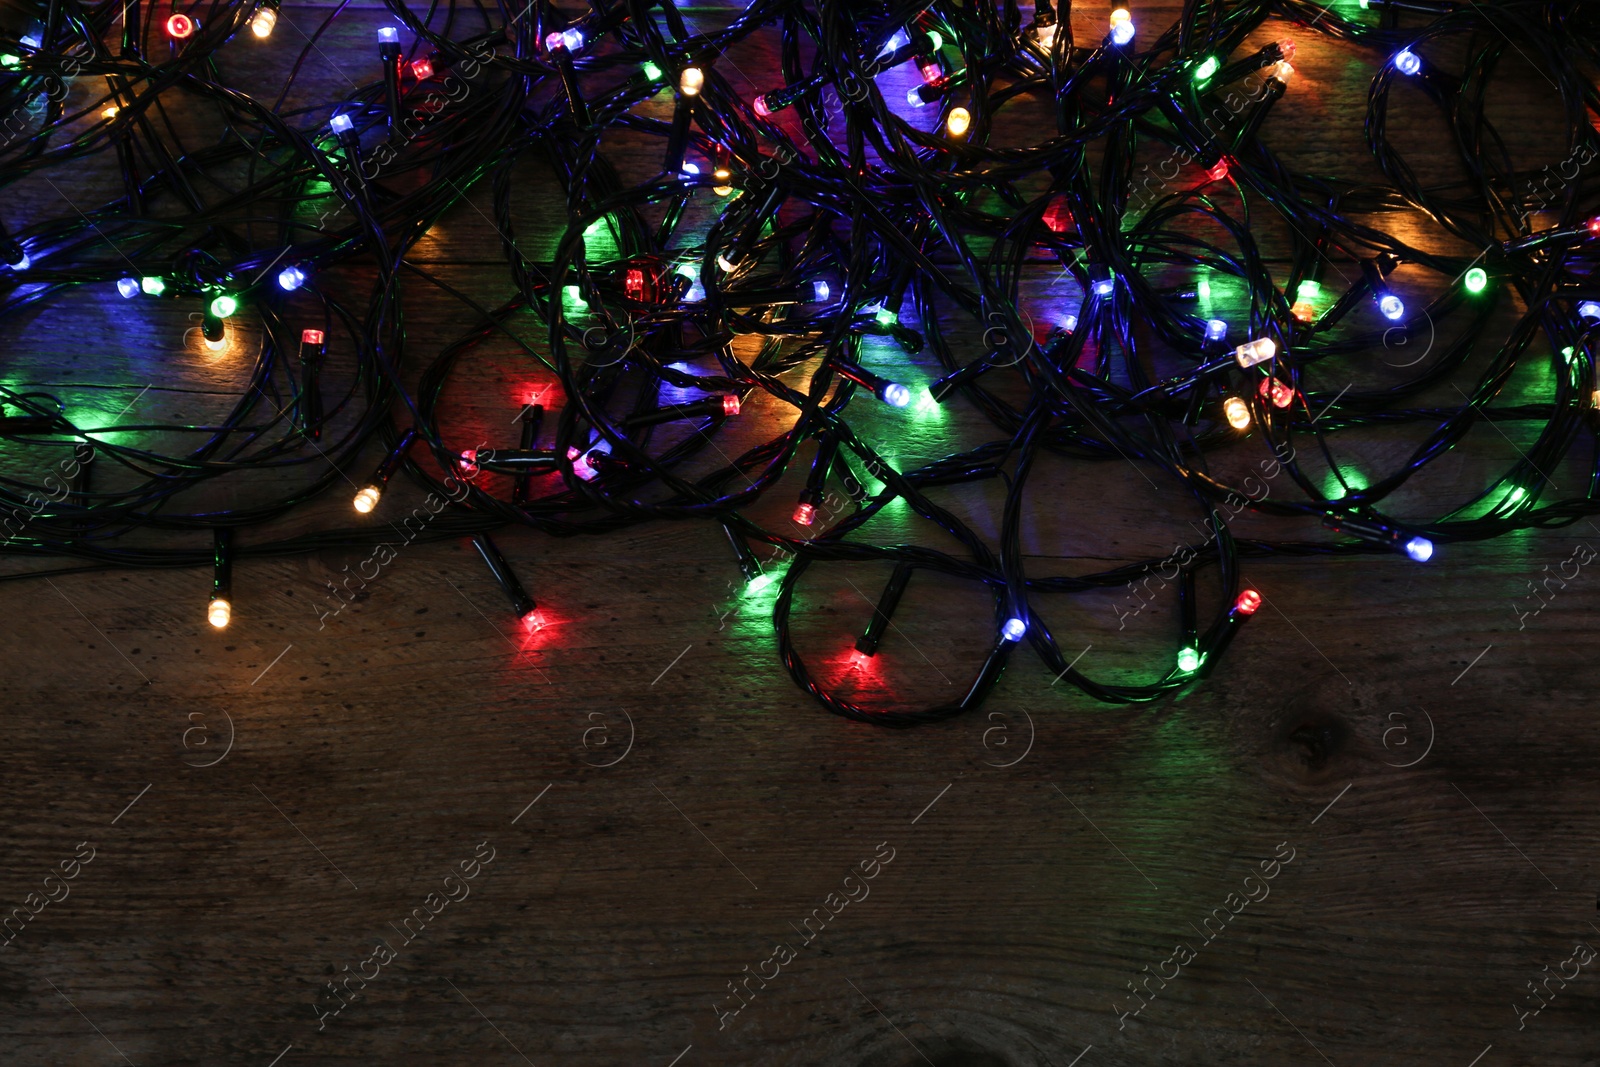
(367, 499)
(219, 612)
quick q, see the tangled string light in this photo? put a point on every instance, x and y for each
(842, 223)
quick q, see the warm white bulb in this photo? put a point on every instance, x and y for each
(691, 81)
(367, 499)
(958, 122)
(219, 612)
(262, 24)
(219, 344)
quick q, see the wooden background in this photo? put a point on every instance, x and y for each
(664, 807)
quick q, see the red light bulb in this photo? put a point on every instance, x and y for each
(180, 26)
(469, 461)
(421, 69)
(931, 71)
(1057, 216)
(633, 284)
(1594, 226)
(804, 514)
(530, 621)
(759, 106)
(1279, 394)
(730, 404)
(1218, 172)
(1248, 603)
(311, 337)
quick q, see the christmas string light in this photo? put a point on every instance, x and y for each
(792, 237)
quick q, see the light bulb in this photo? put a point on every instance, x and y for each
(261, 25)
(1218, 172)
(1046, 36)
(223, 306)
(897, 40)
(1392, 306)
(1407, 62)
(572, 37)
(341, 124)
(110, 113)
(1103, 286)
(935, 41)
(724, 262)
(651, 72)
(723, 176)
(1205, 70)
(1420, 549)
(1303, 310)
(1476, 280)
(180, 26)
(691, 80)
(422, 69)
(388, 35)
(896, 395)
(128, 287)
(23, 262)
(1280, 395)
(759, 106)
(1013, 629)
(1249, 602)
(914, 98)
(153, 285)
(291, 278)
(1589, 309)
(804, 514)
(1237, 412)
(1216, 330)
(819, 291)
(1309, 290)
(367, 499)
(730, 404)
(1188, 660)
(311, 337)
(1121, 26)
(1258, 351)
(219, 612)
(958, 122)
(217, 344)
(1282, 71)
(1203, 290)
(690, 170)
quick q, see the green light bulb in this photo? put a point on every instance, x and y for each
(938, 41)
(758, 583)
(1309, 290)
(1476, 280)
(1188, 660)
(886, 317)
(223, 306)
(153, 285)
(1517, 495)
(652, 72)
(1205, 70)
(1204, 289)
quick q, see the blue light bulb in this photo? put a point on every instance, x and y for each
(1122, 33)
(1216, 330)
(341, 124)
(896, 395)
(1420, 549)
(1589, 309)
(22, 264)
(291, 278)
(388, 35)
(819, 291)
(914, 98)
(1392, 306)
(1013, 629)
(572, 37)
(128, 287)
(897, 41)
(1407, 62)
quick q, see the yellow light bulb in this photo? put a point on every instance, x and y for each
(110, 112)
(724, 177)
(1303, 311)
(367, 499)
(691, 81)
(1120, 15)
(1282, 71)
(219, 612)
(959, 122)
(1238, 413)
(263, 22)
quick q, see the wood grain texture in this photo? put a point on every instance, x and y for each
(665, 808)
